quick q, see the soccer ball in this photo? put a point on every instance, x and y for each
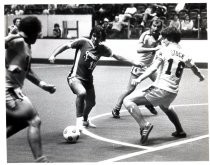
(71, 134)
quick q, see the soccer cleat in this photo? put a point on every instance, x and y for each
(151, 109)
(42, 159)
(179, 134)
(145, 132)
(88, 124)
(116, 114)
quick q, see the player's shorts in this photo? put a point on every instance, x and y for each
(11, 99)
(137, 71)
(157, 96)
(15, 102)
(86, 84)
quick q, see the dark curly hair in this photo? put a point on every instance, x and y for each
(15, 20)
(99, 31)
(30, 25)
(172, 34)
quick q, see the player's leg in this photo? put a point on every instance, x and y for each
(34, 133)
(131, 103)
(15, 126)
(173, 117)
(89, 104)
(130, 88)
(78, 89)
(16, 116)
(25, 115)
(150, 107)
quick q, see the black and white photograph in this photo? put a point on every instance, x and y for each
(105, 82)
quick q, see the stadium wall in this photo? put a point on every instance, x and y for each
(42, 50)
(48, 21)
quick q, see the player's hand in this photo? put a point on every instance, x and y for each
(19, 93)
(52, 59)
(135, 82)
(202, 78)
(47, 87)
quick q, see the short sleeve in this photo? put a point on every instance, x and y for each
(107, 52)
(76, 43)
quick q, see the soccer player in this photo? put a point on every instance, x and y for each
(171, 60)
(13, 29)
(147, 46)
(20, 112)
(80, 79)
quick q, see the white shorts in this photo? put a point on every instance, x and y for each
(157, 96)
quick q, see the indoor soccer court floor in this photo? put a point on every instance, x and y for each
(114, 140)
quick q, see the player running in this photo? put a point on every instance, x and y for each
(20, 112)
(147, 46)
(80, 79)
(171, 60)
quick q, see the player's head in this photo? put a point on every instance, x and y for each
(172, 34)
(31, 27)
(16, 21)
(97, 35)
(155, 27)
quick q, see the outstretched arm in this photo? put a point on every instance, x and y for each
(153, 68)
(57, 51)
(131, 61)
(31, 76)
(197, 72)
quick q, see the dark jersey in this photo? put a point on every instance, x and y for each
(86, 58)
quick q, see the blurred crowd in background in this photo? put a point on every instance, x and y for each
(128, 21)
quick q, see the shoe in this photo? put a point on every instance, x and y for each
(151, 109)
(88, 123)
(145, 132)
(116, 114)
(43, 159)
(179, 134)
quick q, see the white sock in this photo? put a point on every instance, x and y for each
(79, 121)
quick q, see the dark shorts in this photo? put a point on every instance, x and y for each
(88, 85)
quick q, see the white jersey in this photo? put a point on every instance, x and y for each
(173, 61)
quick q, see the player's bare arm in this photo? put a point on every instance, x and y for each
(152, 69)
(58, 51)
(31, 76)
(131, 61)
(197, 72)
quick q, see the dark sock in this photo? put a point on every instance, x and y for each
(175, 120)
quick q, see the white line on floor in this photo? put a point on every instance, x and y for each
(154, 149)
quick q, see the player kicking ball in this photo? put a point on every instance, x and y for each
(20, 112)
(171, 60)
(80, 79)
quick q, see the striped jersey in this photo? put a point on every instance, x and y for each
(86, 58)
